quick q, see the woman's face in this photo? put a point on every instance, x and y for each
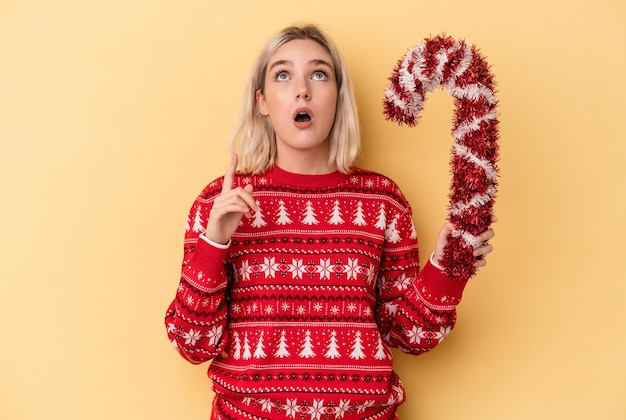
(300, 99)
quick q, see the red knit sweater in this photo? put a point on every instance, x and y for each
(298, 313)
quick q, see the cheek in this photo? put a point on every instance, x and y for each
(277, 100)
(332, 98)
(332, 104)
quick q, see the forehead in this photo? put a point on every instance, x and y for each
(301, 51)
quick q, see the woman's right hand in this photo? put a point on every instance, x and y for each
(229, 207)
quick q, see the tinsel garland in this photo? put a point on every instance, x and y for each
(461, 70)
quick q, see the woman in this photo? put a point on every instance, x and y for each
(300, 269)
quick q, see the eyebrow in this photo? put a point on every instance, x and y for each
(288, 62)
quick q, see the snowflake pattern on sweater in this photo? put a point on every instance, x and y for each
(299, 311)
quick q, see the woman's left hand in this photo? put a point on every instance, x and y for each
(479, 253)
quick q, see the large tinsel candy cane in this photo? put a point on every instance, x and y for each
(464, 73)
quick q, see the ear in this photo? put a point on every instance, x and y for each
(261, 104)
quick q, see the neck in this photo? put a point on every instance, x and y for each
(304, 163)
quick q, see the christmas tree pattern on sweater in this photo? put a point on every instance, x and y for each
(299, 312)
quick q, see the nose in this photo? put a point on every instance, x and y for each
(302, 91)
(303, 94)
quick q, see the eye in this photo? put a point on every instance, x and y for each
(281, 76)
(319, 75)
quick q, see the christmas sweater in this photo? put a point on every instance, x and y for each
(299, 311)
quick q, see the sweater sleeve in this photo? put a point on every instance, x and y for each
(416, 309)
(196, 319)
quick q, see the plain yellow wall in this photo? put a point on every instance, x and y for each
(115, 114)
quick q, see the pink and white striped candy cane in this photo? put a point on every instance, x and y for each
(460, 69)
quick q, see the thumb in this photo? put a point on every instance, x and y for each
(442, 240)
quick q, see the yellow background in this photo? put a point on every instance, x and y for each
(115, 114)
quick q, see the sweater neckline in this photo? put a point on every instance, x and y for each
(283, 177)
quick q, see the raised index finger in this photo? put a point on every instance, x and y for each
(229, 176)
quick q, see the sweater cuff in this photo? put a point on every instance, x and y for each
(205, 270)
(435, 263)
(215, 244)
(438, 290)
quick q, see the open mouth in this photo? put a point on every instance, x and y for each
(302, 117)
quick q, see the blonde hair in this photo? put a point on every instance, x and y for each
(253, 137)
